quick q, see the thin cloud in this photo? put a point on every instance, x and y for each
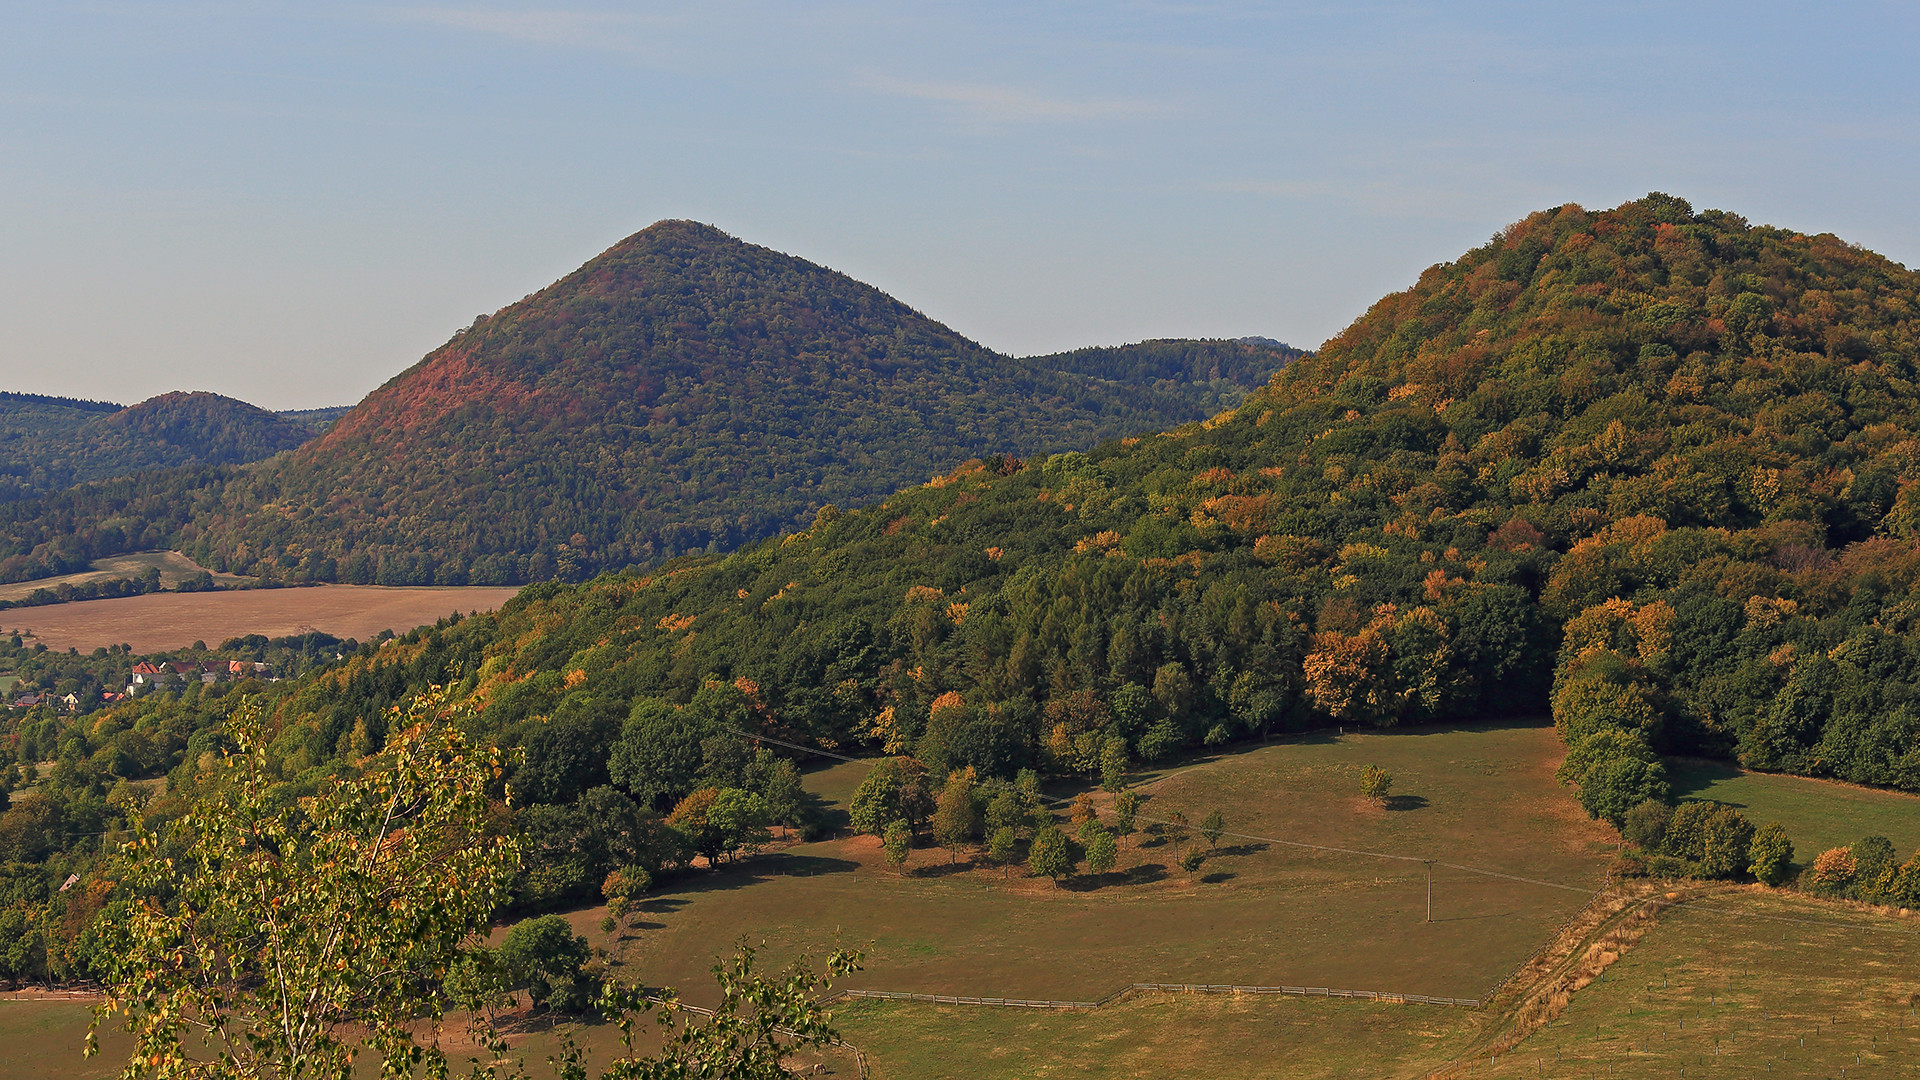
(1009, 105)
(577, 29)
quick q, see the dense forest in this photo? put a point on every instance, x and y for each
(682, 392)
(1654, 472)
(51, 443)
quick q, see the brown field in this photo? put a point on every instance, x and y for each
(163, 621)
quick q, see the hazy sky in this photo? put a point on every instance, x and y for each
(290, 203)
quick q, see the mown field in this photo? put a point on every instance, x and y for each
(1259, 911)
(1739, 984)
(40, 1039)
(163, 621)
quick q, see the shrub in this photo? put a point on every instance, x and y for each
(1375, 782)
(1714, 837)
(1646, 825)
(1770, 855)
(1833, 870)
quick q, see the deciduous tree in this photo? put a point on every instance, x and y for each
(285, 932)
(898, 844)
(1051, 854)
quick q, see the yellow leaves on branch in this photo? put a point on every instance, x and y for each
(1100, 541)
(1642, 632)
(951, 700)
(885, 729)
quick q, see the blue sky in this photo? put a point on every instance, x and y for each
(290, 203)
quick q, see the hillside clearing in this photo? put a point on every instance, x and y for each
(173, 566)
(1256, 913)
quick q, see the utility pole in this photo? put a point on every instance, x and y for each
(1429, 863)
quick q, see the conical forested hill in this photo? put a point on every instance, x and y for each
(683, 391)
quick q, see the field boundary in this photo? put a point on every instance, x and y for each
(1390, 996)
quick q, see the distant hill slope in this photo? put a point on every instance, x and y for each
(49, 443)
(1654, 471)
(683, 391)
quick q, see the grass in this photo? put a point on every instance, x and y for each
(8, 682)
(1258, 912)
(1818, 814)
(40, 1039)
(1746, 983)
(1169, 1035)
(1743, 983)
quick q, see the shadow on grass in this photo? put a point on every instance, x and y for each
(1476, 918)
(938, 870)
(1217, 877)
(756, 869)
(1132, 875)
(1406, 802)
(1695, 776)
(1239, 849)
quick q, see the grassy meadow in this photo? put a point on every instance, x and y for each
(41, 1038)
(1818, 814)
(1769, 981)
(1741, 983)
(1257, 912)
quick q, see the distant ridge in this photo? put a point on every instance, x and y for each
(48, 443)
(683, 391)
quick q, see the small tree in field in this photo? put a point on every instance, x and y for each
(1213, 827)
(1113, 764)
(898, 844)
(1375, 782)
(1126, 807)
(956, 820)
(1051, 854)
(1102, 853)
(1191, 861)
(1002, 846)
(1176, 830)
(1083, 810)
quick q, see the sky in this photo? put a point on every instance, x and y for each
(291, 203)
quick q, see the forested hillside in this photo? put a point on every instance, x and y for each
(1653, 471)
(49, 443)
(682, 392)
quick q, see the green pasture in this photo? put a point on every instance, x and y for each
(1258, 911)
(41, 1039)
(1818, 814)
(8, 682)
(1163, 1035)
